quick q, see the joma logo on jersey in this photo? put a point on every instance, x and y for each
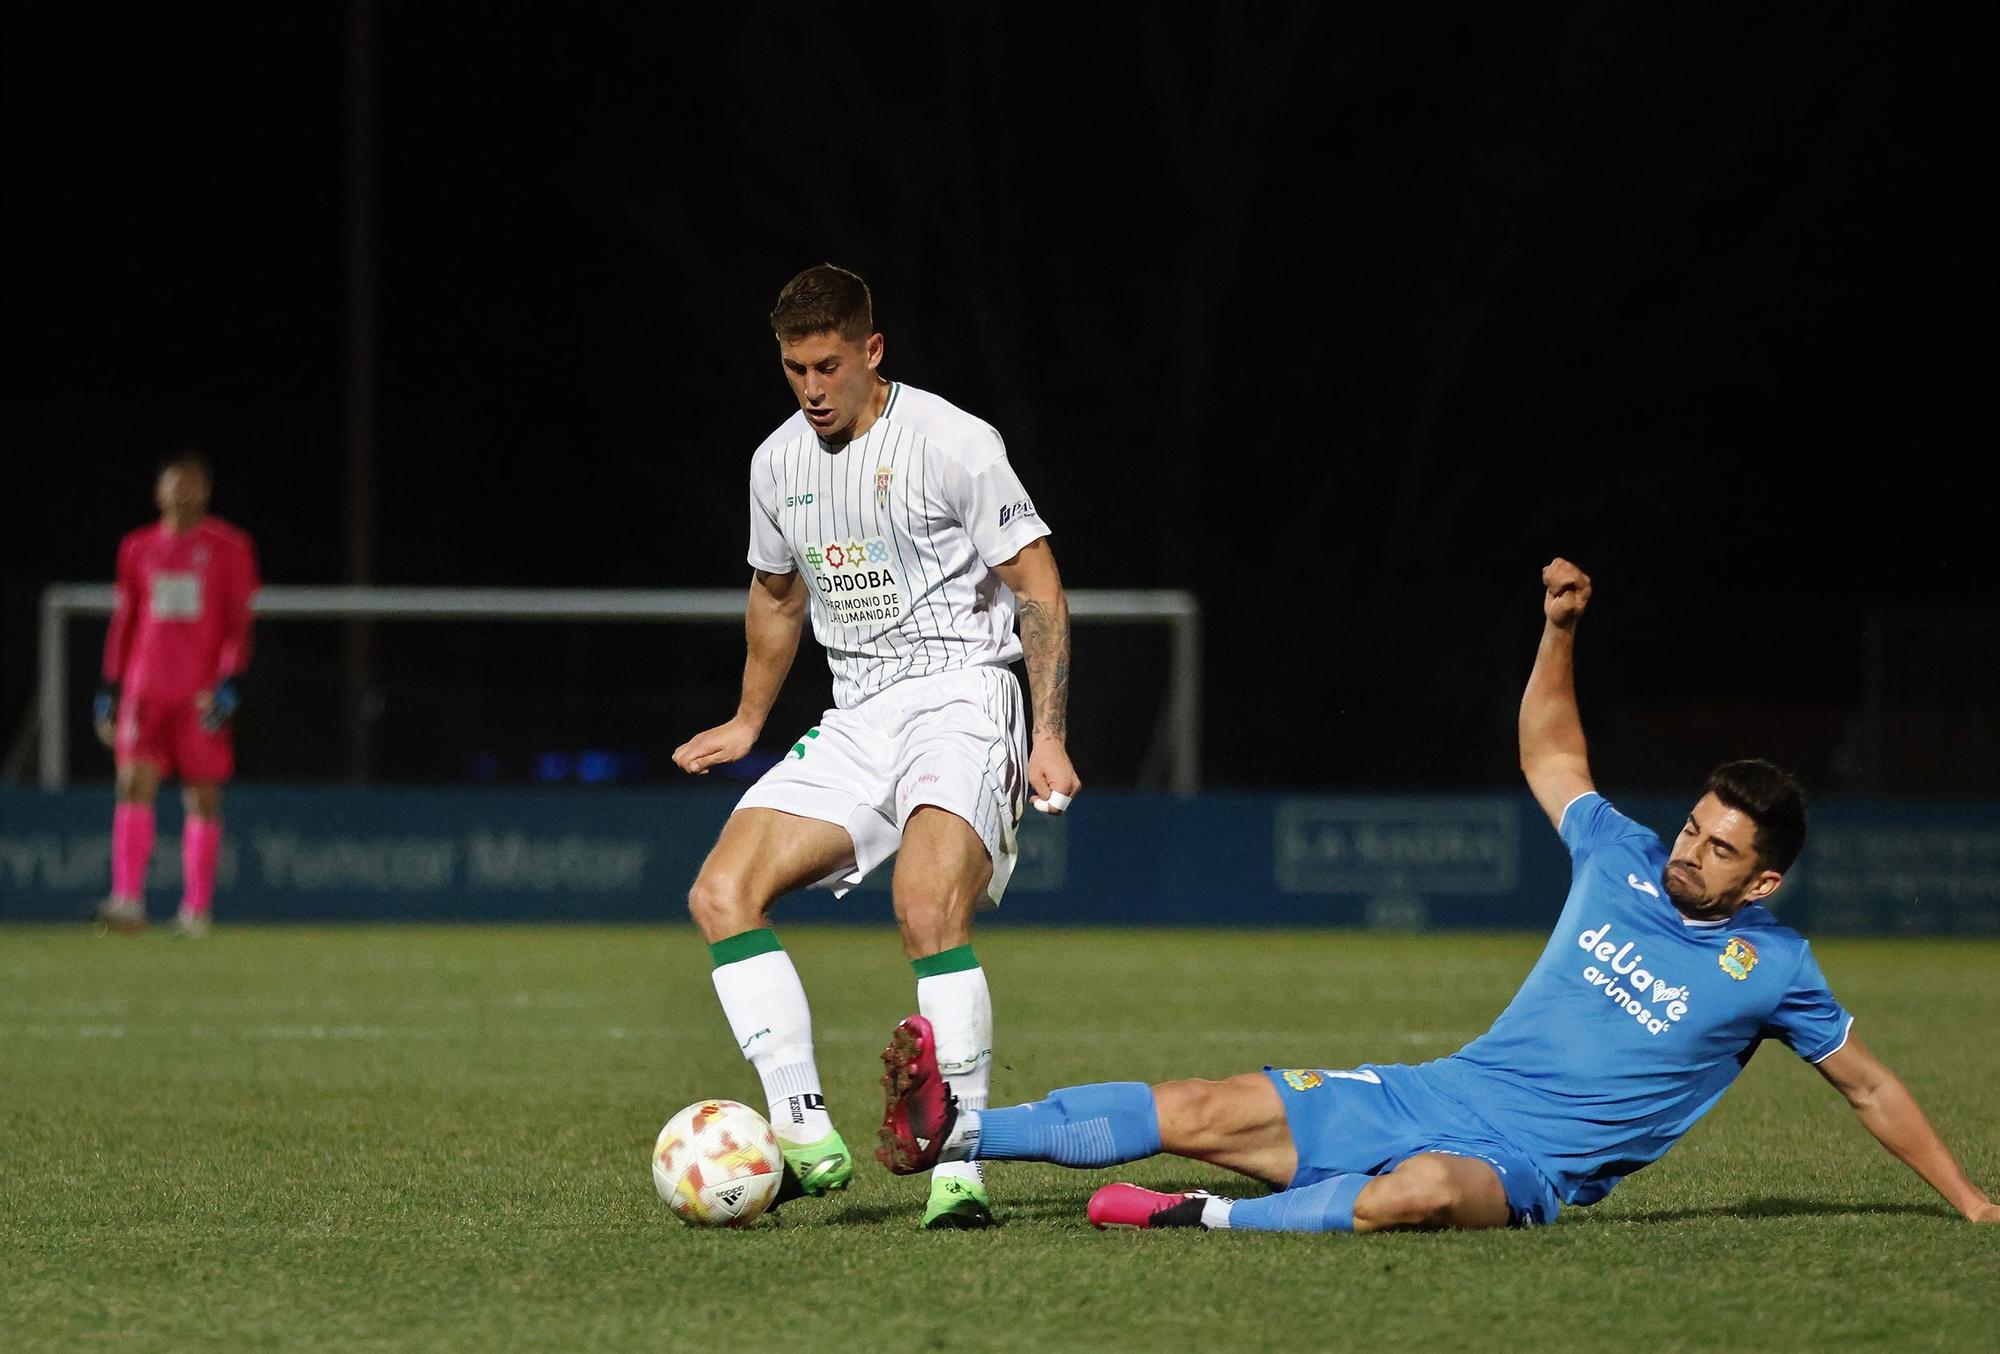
(1015, 510)
(1628, 985)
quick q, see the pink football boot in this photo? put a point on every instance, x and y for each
(1123, 1205)
(920, 1109)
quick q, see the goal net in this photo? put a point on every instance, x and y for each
(527, 686)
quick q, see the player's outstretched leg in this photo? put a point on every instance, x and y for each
(1327, 1206)
(923, 1123)
(1430, 1190)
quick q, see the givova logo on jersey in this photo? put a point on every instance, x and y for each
(855, 580)
(1628, 984)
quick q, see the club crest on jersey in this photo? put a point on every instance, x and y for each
(1738, 958)
(883, 474)
(1301, 1078)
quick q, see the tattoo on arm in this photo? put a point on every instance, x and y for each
(1045, 636)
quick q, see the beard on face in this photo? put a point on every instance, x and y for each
(1690, 895)
(1684, 886)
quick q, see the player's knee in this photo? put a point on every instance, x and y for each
(933, 921)
(931, 930)
(1422, 1192)
(722, 905)
(1193, 1113)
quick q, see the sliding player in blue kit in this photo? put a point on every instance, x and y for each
(1663, 975)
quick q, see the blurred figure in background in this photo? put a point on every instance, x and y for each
(179, 638)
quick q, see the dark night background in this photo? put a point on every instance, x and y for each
(1347, 318)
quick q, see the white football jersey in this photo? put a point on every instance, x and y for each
(897, 534)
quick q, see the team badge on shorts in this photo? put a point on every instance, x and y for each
(1738, 958)
(1301, 1078)
(882, 476)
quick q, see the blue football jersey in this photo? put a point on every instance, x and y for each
(1634, 1020)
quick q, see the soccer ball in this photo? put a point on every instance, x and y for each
(717, 1164)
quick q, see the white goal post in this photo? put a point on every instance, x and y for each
(1178, 611)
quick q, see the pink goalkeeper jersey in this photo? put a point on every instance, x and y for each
(181, 621)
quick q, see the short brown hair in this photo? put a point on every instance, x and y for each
(188, 459)
(1772, 797)
(822, 299)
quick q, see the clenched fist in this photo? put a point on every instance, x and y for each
(1565, 593)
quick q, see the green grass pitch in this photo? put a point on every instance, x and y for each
(437, 1139)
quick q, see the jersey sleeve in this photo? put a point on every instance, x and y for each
(768, 550)
(992, 503)
(124, 614)
(1808, 1020)
(1590, 824)
(239, 591)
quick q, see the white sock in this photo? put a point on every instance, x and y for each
(963, 1140)
(766, 1006)
(960, 1010)
(1215, 1214)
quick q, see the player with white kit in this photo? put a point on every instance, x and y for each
(897, 519)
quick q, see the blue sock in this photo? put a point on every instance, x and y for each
(1099, 1125)
(1327, 1206)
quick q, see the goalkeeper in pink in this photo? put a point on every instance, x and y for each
(178, 641)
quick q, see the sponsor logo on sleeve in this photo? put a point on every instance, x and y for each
(1013, 512)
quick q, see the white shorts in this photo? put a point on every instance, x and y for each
(957, 740)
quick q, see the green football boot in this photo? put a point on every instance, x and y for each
(814, 1168)
(957, 1203)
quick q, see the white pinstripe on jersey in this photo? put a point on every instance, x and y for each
(896, 533)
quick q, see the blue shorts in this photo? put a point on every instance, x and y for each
(1371, 1119)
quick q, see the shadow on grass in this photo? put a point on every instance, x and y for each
(1775, 1207)
(1071, 1205)
(862, 1215)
